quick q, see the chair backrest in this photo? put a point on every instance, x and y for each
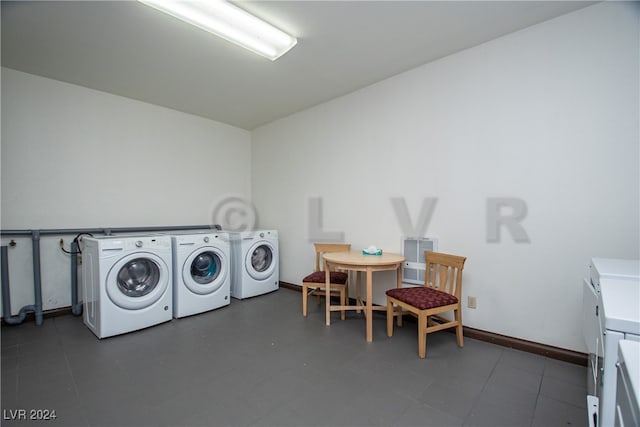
(444, 272)
(323, 248)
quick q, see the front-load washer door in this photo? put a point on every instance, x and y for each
(205, 270)
(137, 280)
(260, 261)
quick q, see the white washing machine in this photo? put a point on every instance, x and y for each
(610, 315)
(255, 263)
(201, 272)
(126, 283)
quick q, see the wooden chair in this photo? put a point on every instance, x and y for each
(315, 283)
(442, 292)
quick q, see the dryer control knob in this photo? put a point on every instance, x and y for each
(262, 235)
(206, 239)
(139, 243)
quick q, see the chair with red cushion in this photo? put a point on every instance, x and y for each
(442, 292)
(315, 283)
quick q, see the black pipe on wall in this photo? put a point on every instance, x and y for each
(76, 308)
(37, 278)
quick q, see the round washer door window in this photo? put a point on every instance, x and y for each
(205, 270)
(137, 281)
(260, 260)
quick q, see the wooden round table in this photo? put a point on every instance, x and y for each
(356, 261)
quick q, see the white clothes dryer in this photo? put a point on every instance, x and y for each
(201, 272)
(126, 283)
(255, 263)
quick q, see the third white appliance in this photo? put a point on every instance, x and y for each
(201, 272)
(255, 263)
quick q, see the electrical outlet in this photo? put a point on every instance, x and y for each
(472, 302)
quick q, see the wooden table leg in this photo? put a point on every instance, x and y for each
(399, 285)
(369, 307)
(358, 290)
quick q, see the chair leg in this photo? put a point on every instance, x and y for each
(389, 318)
(359, 292)
(346, 293)
(305, 298)
(459, 334)
(422, 335)
(399, 320)
(343, 302)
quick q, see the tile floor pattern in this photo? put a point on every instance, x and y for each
(258, 362)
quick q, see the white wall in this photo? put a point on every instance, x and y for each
(74, 157)
(548, 115)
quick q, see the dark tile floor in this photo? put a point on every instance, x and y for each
(258, 362)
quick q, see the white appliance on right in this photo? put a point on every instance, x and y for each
(255, 263)
(628, 384)
(611, 313)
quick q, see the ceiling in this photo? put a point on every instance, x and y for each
(129, 49)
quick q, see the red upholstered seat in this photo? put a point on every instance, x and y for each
(315, 283)
(441, 293)
(319, 277)
(422, 297)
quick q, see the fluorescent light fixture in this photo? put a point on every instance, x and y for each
(231, 23)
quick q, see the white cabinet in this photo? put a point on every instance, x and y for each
(620, 320)
(628, 385)
(610, 315)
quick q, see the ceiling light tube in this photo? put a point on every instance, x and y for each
(229, 22)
